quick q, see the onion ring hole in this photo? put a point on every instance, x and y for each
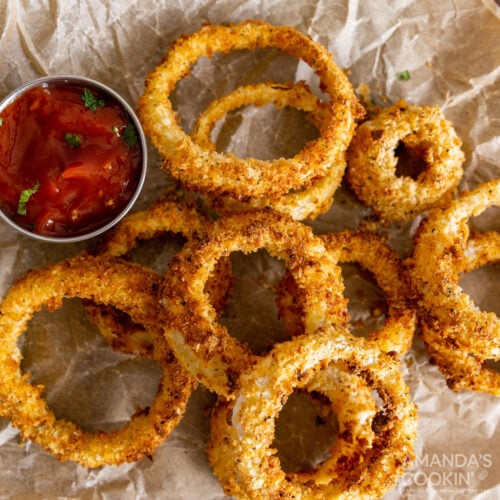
(93, 373)
(411, 162)
(208, 78)
(157, 252)
(275, 132)
(484, 296)
(488, 220)
(251, 314)
(306, 430)
(366, 304)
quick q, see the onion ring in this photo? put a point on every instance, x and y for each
(163, 216)
(443, 250)
(371, 161)
(103, 281)
(462, 369)
(204, 346)
(304, 204)
(440, 244)
(204, 170)
(367, 249)
(243, 429)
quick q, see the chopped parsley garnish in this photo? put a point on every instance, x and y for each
(91, 102)
(404, 75)
(130, 135)
(25, 196)
(74, 140)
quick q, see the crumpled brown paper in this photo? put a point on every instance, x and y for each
(452, 53)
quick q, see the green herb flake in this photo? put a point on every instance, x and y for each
(404, 75)
(74, 140)
(1, 121)
(24, 196)
(130, 135)
(115, 129)
(91, 102)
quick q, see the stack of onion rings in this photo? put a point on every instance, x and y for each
(173, 319)
(214, 357)
(242, 429)
(163, 216)
(453, 324)
(205, 170)
(372, 160)
(306, 203)
(103, 281)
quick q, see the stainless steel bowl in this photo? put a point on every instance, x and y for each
(61, 80)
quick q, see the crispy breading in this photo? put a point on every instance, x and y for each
(460, 336)
(372, 161)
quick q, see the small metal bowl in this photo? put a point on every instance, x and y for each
(68, 80)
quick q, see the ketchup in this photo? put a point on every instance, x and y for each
(70, 160)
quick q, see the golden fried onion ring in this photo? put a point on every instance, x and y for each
(371, 253)
(203, 345)
(372, 160)
(337, 390)
(307, 203)
(442, 251)
(163, 216)
(126, 286)
(243, 429)
(202, 170)
(462, 369)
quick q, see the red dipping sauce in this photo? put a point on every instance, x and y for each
(70, 159)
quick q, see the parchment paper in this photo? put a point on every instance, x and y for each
(452, 52)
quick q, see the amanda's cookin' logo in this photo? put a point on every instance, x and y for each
(449, 471)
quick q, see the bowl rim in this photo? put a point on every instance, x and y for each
(79, 80)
